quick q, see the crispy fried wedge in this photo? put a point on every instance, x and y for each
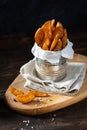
(58, 30)
(46, 45)
(39, 36)
(51, 36)
(58, 45)
(47, 29)
(26, 98)
(54, 42)
(15, 91)
(39, 94)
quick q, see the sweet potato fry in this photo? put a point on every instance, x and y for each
(47, 29)
(39, 36)
(46, 44)
(39, 93)
(49, 34)
(54, 42)
(58, 30)
(58, 45)
(26, 98)
(15, 91)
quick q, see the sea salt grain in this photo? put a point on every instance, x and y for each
(36, 105)
(24, 121)
(39, 99)
(28, 121)
(27, 124)
(23, 129)
(53, 119)
(54, 115)
(20, 123)
(32, 127)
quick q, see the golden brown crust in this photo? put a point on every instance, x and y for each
(59, 30)
(51, 37)
(39, 36)
(26, 97)
(46, 44)
(54, 42)
(39, 94)
(52, 22)
(58, 45)
(47, 29)
(15, 91)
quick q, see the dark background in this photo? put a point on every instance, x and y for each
(19, 19)
(25, 16)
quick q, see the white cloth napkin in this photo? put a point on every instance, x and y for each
(71, 84)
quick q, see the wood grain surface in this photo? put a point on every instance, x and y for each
(44, 105)
(15, 50)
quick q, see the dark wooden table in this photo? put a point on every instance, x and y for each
(15, 50)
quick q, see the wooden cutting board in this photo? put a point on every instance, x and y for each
(51, 103)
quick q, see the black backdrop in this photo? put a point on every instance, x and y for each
(25, 16)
